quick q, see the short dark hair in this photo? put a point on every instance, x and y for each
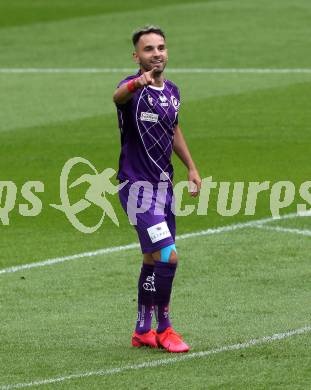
(146, 30)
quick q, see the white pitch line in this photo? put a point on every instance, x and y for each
(57, 260)
(168, 70)
(222, 229)
(302, 232)
(162, 362)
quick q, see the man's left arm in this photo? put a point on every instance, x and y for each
(181, 149)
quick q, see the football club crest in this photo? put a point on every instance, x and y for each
(175, 102)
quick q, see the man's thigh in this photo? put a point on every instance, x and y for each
(154, 231)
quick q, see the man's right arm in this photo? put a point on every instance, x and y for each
(125, 92)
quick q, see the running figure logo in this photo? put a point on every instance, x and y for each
(149, 284)
(99, 185)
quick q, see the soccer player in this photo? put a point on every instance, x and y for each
(147, 106)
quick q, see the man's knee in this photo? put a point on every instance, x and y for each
(167, 254)
(148, 258)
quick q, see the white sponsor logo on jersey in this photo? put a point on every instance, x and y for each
(163, 101)
(149, 117)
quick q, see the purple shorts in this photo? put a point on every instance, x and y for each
(150, 211)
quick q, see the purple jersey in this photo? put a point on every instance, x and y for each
(147, 122)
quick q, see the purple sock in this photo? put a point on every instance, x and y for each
(146, 291)
(164, 275)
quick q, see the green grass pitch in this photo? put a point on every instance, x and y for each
(76, 317)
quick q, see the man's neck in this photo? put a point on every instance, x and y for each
(158, 81)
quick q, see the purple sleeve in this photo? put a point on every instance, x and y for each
(122, 106)
(127, 79)
(178, 97)
(122, 82)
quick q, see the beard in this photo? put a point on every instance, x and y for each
(159, 69)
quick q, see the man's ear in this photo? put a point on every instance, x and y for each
(135, 57)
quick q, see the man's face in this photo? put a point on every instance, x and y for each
(151, 52)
